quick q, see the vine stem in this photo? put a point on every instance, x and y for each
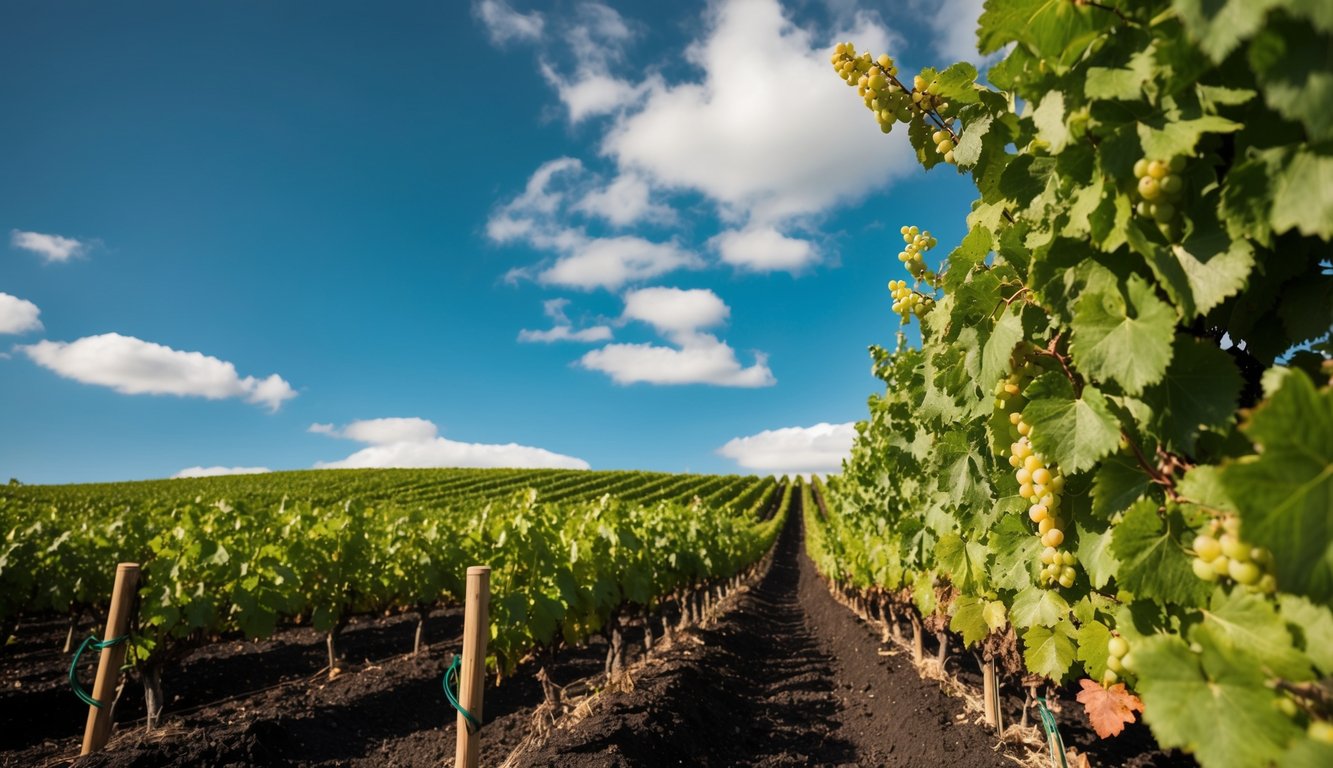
(1052, 350)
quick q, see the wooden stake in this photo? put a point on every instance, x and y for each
(98, 728)
(476, 630)
(988, 693)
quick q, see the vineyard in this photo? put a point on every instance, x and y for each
(1089, 520)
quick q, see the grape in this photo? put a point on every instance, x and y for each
(938, 136)
(1068, 558)
(1049, 555)
(1109, 679)
(1176, 164)
(1206, 547)
(885, 62)
(1157, 169)
(1140, 168)
(1117, 646)
(1233, 547)
(1244, 573)
(1038, 513)
(1067, 578)
(1149, 189)
(1041, 476)
(1172, 185)
(1267, 584)
(1032, 463)
(1127, 661)
(1163, 212)
(1053, 538)
(1221, 565)
(1025, 490)
(1015, 417)
(1045, 526)
(1203, 569)
(1113, 662)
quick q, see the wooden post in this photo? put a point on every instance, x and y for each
(988, 697)
(98, 729)
(476, 630)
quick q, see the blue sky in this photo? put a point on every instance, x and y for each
(288, 235)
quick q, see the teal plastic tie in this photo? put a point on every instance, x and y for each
(90, 641)
(474, 724)
(1053, 739)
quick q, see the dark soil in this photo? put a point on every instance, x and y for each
(786, 676)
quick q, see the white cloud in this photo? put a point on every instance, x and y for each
(611, 262)
(768, 132)
(135, 367)
(413, 442)
(597, 36)
(18, 315)
(381, 431)
(794, 450)
(696, 358)
(625, 201)
(705, 361)
(504, 24)
(52, 248)
(764, 249)
(675, 312)
(537, 217)
(219, 471)
(955, 25)
(563, 329)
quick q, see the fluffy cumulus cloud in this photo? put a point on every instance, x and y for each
(761, 132)
(135, 367)
(504, 24)
(52, 248)
(18, 315)
(414, 442)
(563, 329)
(954, 23)
(764, 249)
(219, 471)
(695, 357)
(539, 217)
(625, 201)
(794, 450)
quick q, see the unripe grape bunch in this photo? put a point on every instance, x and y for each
(1039, 481)
(916, 242)
(876, 81)
(1220, 553)
(943, 144)
(1118, 660)
(1159, 187)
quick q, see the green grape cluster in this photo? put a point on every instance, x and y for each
(944, 144)
(926, 95)
(917, 243)
(1160, 187)
(908, 302)
(1118, 660)
(876, 82)
(1221, 553)
(1039, 481)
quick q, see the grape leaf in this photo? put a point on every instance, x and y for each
(1313, 624)
(1074, 432)
(968, 151)
(1095, 556)
(1152, 563)
(999, 347)
(1200, 391)
(1303, 194)
(1119, 482)
(1293, 64)
(1116, 83)
(963, 561)
(1179, 137)
(1049, 651)
(1219, 27)
(1248, 626)
(1217, 707)
(1049, 118)
(968, 619)
(957, 83)
(1016, 552)
(1108, 709)
(1285, 493)
(1038, 607)
(1055, 31)
(1125, 337)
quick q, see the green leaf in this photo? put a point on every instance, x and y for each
(1200, 391)
(1016, 552)
(1220, 25)
(968, 151)
(1293, 64)
(1049, 652)
(1153, 564)
(968, 620)
(1223, 712)
(1038, 607)
(1093, 637)
(1199, 273)
(1313, 625)
(1118, 83)
(1248, 627)
(1053, 30)
(999, 347)
(1285, 493)
(957, 84)
(1179, 137)
(1247, 197)
(1049, 118)
(1095, 555)
(1124, 337)
(1303, 195)
(1120, 482)
(1072, 432)
(963, 561)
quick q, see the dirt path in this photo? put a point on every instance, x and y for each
(786, 677)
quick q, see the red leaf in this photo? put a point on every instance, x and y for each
(1109, 709)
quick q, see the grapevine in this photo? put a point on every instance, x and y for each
(1113, 446)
